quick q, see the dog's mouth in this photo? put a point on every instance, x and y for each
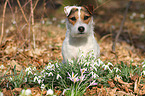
(81, 33)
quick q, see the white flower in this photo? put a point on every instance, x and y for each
(107, 67)
(62, 21)
(141, 15)
(34, 68)
(58, 25)
(100, 62)
(116, 69)
(143, 72)
(119, 77)
(14, 22)
(1, 94)
(11, 78)
(35, 78)
(50, 74)
(143, 65)
(2, 66)
(58, 76)
(109, 63)
(54, 19)
(26, 79)
(131, 17)
(42, 21)
(39, 81)
(26, 92)
(42, 86)
(50, 67)
(94, 75)
(50, 92)
(28, 69)
(142, 28)
(133, 14)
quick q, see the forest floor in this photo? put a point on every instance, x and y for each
(18, 46)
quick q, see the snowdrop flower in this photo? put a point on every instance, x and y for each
(50, 74)
(49, 22)
(58, 76)
(2, 66)
(35, 78)
(131, 17)
(94, 75)
(100, 62)
(143, 73)
(14, 22)
(62, 21)
(109, 63)
(142, 28)
(107, 67)
(39, 81)
(50, 67)
(11, 78)
(54, 19)
(50, 92)
(117, 69)
(26, 79)
(34, 68)
(29, 70)
(42, 86)
(83, 70)
(73, 77)
(119, 76)
(133, 14)
(97, 64)
(1, 94)
(93, 83)
(26, 92)
(141, 15)
(143, 66)
(59, 25)
(42, 21)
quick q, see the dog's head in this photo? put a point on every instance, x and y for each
(79, 20)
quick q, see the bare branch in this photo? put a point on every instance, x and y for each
(3, 21)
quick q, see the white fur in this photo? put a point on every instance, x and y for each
(75, 43)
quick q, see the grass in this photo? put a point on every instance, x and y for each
(73, 78)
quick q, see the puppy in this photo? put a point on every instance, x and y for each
(79, 35)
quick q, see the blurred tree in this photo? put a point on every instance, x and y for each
(80, 2)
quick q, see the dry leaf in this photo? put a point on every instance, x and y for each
(117, 79)
(13, 63)
(112, 85)
(136, 86)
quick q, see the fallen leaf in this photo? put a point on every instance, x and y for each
(13, 63)
(112, 85)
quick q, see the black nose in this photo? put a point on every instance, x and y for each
(81, 29)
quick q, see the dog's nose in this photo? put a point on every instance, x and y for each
(81, 29)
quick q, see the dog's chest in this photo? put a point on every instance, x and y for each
(76, 47)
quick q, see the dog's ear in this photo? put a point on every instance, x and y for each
(67, 10)
(90, 8)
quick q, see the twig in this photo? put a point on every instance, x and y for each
(32, 17)
(35, 5)
(3, 21)
(23, 12)
(121, 26)
(102, 5)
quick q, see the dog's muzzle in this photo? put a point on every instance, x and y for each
(81, 30)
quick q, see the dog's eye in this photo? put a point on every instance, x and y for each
(73, 19)
(86, 17)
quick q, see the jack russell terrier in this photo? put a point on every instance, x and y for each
(79, 35)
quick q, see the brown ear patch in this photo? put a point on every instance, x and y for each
(85, 15)
(90, 8)
(73, 16)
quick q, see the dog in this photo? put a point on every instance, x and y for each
(79, 35)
